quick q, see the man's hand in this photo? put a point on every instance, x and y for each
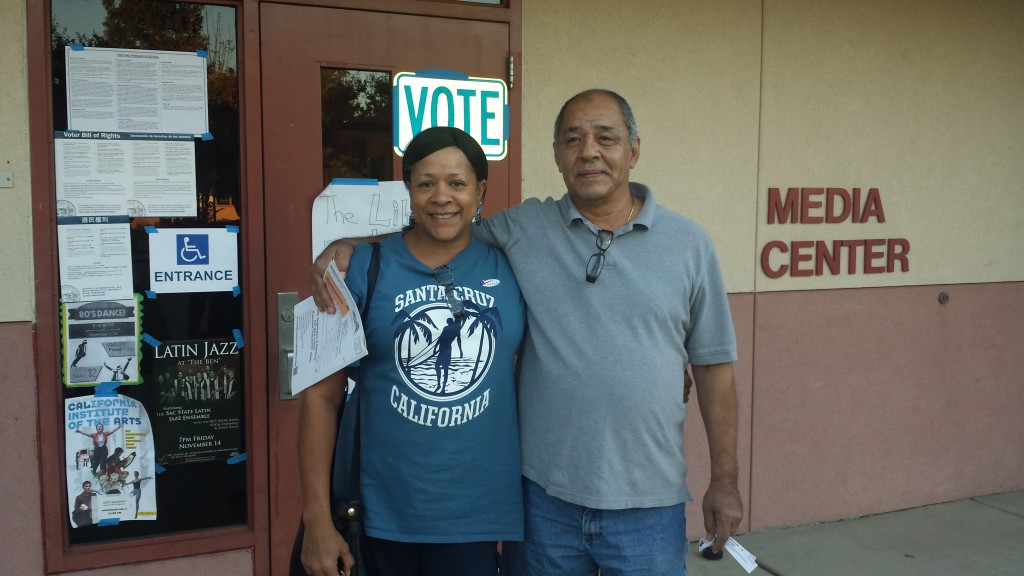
(341, 252)
(723, 510)
(722, 506)
(322, 548)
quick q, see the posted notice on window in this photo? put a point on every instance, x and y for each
(95, 255)
(125, 173)
(109, 464)
(101, 342)
(119, 90)
(358, 208)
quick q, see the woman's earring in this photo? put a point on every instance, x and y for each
(476, 219)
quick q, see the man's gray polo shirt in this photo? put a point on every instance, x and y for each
(601, 389)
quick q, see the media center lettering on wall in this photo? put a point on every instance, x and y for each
(802, 258)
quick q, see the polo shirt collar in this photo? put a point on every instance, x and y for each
(643, 218)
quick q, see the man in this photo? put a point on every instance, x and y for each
(79, 353)
(621, 295)
(82, 514)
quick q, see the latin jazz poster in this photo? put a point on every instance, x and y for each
(101, 341)
(199, 417)
(111, 473)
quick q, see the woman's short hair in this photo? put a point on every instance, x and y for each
(433, 139)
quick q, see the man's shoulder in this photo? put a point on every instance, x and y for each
(530, 216)
(534, 206)
(669, 221)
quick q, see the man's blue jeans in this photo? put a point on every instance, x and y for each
(563, 539)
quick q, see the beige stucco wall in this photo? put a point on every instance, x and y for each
(917, 98)
(16, 215)
(691, 70)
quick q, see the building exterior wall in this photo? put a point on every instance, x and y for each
(862, 390)
(860, 393)
(16, 286)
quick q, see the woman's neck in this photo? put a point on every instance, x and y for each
(431, 252)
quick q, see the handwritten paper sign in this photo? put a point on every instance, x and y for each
(358, 208)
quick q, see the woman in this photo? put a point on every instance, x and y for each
(440, 473)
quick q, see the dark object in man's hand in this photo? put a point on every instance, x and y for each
(711, 554)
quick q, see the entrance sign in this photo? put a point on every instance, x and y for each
(193, 259)
(429, 98)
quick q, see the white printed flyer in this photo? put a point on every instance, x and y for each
(139, 175)
(95, 256)
(110, 469)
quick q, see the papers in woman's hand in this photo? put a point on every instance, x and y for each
(326, 343)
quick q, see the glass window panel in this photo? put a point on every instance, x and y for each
(356, 124)
(209, 494)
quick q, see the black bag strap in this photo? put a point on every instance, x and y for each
(371, 278)
(346, 449)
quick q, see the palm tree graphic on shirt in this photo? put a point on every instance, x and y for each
(410, 327)
(428, 362)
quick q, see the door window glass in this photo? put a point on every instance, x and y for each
(356, 124)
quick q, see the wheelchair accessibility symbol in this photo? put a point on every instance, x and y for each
(193, 249)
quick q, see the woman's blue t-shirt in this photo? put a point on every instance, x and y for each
(440, 435)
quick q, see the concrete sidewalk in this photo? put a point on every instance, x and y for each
(981, 536)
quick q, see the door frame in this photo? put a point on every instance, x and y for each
(252, 111)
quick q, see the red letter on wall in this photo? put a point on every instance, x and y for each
(898, 249)
(806, 204)
(766, 265)
(830, 205)
(873, 207)
(779, 211)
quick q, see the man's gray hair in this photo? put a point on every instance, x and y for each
(627, 112)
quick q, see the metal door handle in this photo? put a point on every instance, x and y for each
(286, 302)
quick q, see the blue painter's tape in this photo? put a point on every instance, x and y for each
(231, 229)
(236, 290)
(76, 47)
(202, 53)
(236, 459)
(238, 338)
(206, 136)
(105, 389)
(160, 469)
(150, 294)
(151, 341)
(442, 73)
(152, 230)
(354, 182)
(109, 522)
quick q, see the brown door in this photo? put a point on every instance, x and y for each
(326, 113)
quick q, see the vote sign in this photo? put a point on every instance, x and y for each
(429, 98)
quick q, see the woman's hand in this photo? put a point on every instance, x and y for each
(341, 252)
(323, 549)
